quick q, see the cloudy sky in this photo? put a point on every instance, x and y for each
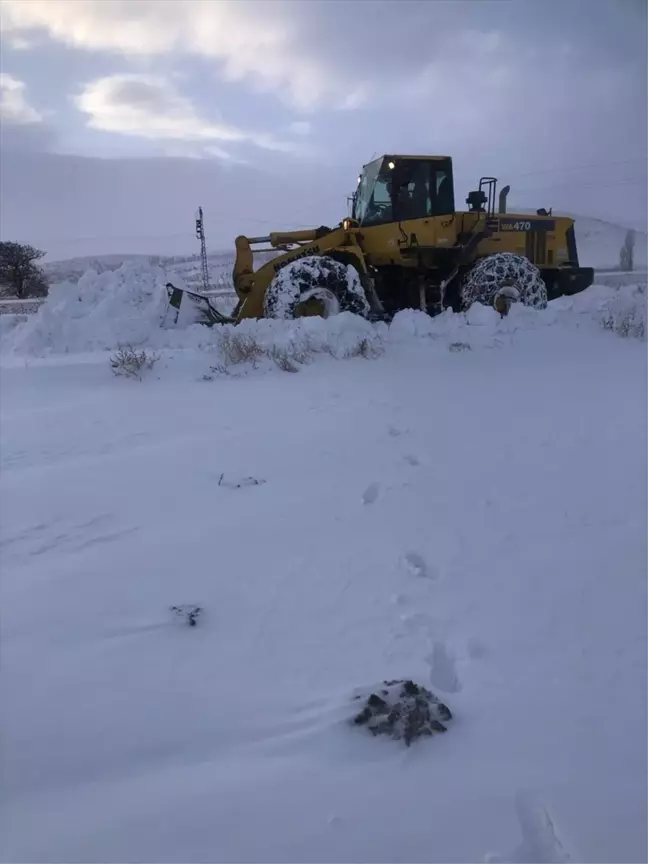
(119, 117)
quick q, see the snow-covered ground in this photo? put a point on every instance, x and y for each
(466, 508)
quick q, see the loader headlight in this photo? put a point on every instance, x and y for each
(391, 166)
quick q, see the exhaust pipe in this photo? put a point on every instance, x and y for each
(502, 198)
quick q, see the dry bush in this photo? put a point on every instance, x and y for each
(238, 348)
(369, 349)
(628, 326)
(283, 359)
(220, 369)
(626, 315)
(459, 346)
(290, 358)
(130, 363)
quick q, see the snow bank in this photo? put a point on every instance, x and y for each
(9, 322)
(621, 309)
(127, 305)
(130, 305)
(480, 325)
(339, 335)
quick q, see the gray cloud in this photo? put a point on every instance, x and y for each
(22, 126)
(151, 107)
(15, 110)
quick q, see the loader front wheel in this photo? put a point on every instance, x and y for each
(490, 275)
(315, 285)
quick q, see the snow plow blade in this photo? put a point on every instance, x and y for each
(207, 313)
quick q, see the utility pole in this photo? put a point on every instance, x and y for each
(200, 234)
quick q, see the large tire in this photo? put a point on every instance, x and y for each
(494, 273)
(331, 285)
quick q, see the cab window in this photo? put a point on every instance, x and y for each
(379, 206)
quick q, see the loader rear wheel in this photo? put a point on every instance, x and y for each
(315, 285)
(490, 275)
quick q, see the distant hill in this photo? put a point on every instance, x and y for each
(185, 267)
(599, 243)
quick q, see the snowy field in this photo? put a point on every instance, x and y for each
(459, 500)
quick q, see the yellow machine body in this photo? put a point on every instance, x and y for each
(399, 242)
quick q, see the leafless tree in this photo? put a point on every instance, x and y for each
(19, 274)
(626, 255)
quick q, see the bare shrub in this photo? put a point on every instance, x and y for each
(326, 348)
(290, 358)
(283, 359)
(369, 349)
(459, 346)
(238, 348)
(303, 354)
(130, 363)
(628, 325)
(220, 369)
(625, 315)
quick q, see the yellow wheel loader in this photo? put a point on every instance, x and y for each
(406, 246)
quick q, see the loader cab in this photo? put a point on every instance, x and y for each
(398, 188)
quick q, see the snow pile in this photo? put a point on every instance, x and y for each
(480, 325)
(9, 322)
(340, 336)
(621, 309)
(100, 311)
(130, 305)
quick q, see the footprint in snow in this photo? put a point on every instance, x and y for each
(418, 566)
(394, 431)
(443, 674)
(371, 493)
(412, 460)
(540, 840)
